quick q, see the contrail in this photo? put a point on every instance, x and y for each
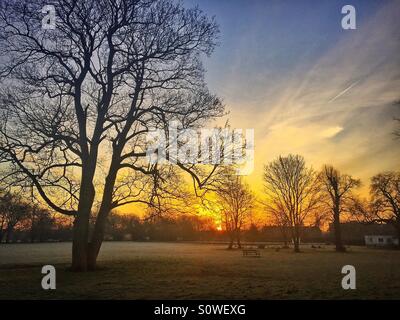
(344, 91)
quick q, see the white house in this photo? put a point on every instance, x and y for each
(380, 240)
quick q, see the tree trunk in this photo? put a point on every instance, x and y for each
(238, 239)
(81, 223)
(296, 239)
(338, 233)
(80, 242)
(105, 208)
(81, 228)
(231, 240)
(9, 232)
(296, 245)
(96, 241)
(284, 236)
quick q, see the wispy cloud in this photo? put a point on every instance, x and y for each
(343, 92)
(331, 132)
(334, 108)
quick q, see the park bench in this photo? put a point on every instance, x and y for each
(251, 252)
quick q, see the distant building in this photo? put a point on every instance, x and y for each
(380, 240)
(355, 233)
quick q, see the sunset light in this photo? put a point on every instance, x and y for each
(191, 156)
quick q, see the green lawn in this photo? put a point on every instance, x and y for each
(129, 270)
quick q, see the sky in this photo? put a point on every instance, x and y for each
(306, 86)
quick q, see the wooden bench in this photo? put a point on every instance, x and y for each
(249, 252)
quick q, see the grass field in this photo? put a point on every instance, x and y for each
(129, 270)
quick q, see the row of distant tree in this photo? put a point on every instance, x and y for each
(297, 198)
(30, 222)
(22, 222)
(296, 195)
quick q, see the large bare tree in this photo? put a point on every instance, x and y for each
(292, 191)
(78, 100)
(337, 188)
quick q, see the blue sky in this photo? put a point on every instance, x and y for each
(268, 38)
(288, 70)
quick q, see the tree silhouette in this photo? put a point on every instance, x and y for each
(235, 203)
(292, 192)
(77, 101)
(385, 192)
(337, 188)
(12, 212)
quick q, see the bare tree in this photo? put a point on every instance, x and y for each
(233, 203)
(76, 102)
(291, 192)
(12, 212)
(39, 220)
(337, 188)
(385, 200)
